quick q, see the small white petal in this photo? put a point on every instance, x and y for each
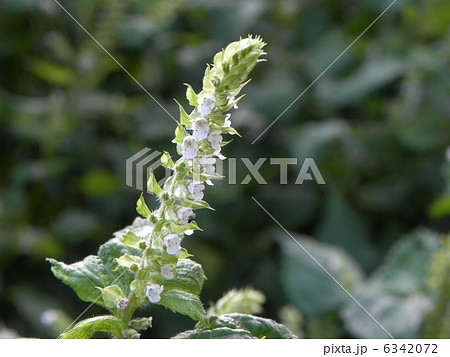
(153, 292)
(185, 214)
(172, 243)
(167, 271)
(189, 232)
(206, 104)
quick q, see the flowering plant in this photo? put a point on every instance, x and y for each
(145, 262)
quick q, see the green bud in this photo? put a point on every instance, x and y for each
(165, 196)
(142, 245)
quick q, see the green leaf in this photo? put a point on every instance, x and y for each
(131, 240)
(305, 282)
(404, 269)
(257, 326)
(141, 207)
(183, 303)
(190, 95)
(53, 73)
(84, 277)
(341, 226)
(127, 260)
(395, 294)
(86, 328)
(189, 277)
(401, 316)
(244, 301)
(152, 185)
(185, 119)
(218, 333)
(111, 295)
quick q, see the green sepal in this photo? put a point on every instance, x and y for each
(180, 133)
(141, 207)
(183, 303)
(86, 328)
(152, 184)
(185, 119)
(191, 96)
(178, 228)
(166, 160)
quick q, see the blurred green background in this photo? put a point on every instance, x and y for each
(377, 124)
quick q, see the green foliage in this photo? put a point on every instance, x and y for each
(376, 124)
(86, 328)
(244, 301)
(238, 326)
(437, 323)
(306, 283)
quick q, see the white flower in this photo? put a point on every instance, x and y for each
(186, 215)
(189, 147)
(122, 303)
(167, 271)
(201, 129)
(172, 243)
(189, 232)
(215, 138)
(196, 190)
(227, 122)
(208, 164)
(206, 104)
(153, 292)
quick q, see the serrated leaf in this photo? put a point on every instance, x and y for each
(185, 119)
(190, 95)
(84, 277)
(218, 333)
(259, 327)
(86, 328)
(189, 277)
(94, 272)
(152, 185)
(141, 207)
(183, 303)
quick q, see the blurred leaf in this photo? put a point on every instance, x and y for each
(404, 269)
(401, 316)
(86, 328)
(394, 295)
(99, 183)
(341, 226)
(440, 207)
(372, 75)
(306, 284)
(53, 73)
(244, 301)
